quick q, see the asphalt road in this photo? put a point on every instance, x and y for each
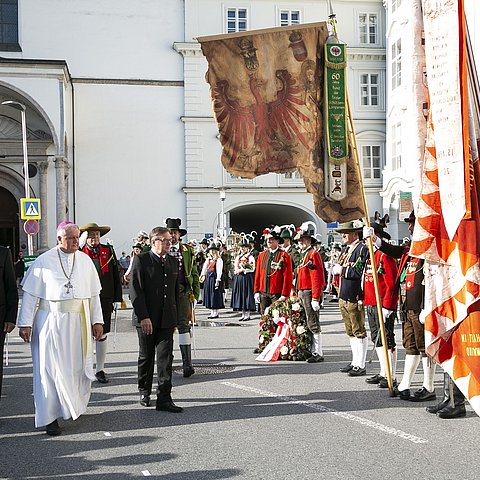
(242, 419)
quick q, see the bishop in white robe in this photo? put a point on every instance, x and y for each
(60, 308)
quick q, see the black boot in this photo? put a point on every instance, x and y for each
(188, 369)
(456, 408)
(446, 396)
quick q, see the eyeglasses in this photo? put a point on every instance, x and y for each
(165, 240)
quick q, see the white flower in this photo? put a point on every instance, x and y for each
(357, 224)
(276, 313)
(267, 311)
(296, 307)
(300, 329)
(284, 350)
(261, 340)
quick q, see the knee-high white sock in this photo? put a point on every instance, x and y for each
(362, 351)
(319, 344)
(428, 373)
(100, 354)
(184, 339)
(246, 315)
(411, 365)
(381, 360)
(392, 356)
(353, 347)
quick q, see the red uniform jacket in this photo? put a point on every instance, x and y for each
(310, 274)
(387, 275)
(273, 273)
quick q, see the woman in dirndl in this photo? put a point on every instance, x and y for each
(213, 287)
(242, 293)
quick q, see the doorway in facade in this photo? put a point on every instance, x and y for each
(257, 217)
(9, 215)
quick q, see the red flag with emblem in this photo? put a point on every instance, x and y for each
(447, 231)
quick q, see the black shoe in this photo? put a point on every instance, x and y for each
(357, 372)
(53, 428)
(145, 400)
(438, 406)
(404, 394)
(375, 380)
(188, 371)
(100, 376)
(168, 406)
(346, 368)
(333, 300)
(423, 395)
(452, 412)
(315, 359)
(383, 383)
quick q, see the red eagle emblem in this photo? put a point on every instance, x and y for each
(262, 123)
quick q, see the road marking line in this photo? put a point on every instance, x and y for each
(146, 473)
(347, 416)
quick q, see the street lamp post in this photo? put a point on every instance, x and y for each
(223, 195)
(21, 107)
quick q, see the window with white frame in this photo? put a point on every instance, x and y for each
(396, 64)
(396, 4)
(9, 26)
(372, 162)
(369, 89)
(292, 176)
(289, 17)
(368, 28)
(236, 20)
(396, 146)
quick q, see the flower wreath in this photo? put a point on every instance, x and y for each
(300, 340)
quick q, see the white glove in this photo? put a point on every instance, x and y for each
(337, 269)
(422, 317)
(316, 305)
(82, 240)
(282, 298)
(386, 313)
(368, 232)
(257, 297)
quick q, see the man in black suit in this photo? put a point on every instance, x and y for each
(8, 301)
(154, 291)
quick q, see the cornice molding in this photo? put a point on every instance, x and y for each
(188, 49)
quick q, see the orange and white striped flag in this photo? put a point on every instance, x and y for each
(447, 231)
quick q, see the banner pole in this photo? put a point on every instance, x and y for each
(353, 144)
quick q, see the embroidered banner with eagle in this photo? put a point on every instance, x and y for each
(267, 91)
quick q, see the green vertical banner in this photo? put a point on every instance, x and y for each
(335, 102)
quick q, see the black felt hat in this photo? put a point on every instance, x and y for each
(174, 224)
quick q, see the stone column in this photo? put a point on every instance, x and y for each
(61, 170)
(43, 188)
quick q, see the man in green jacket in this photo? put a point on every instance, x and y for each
(189, 291)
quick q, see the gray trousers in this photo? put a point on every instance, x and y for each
(313, 317)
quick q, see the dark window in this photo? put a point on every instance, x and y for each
(9, 26)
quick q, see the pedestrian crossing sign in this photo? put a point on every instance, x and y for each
(30, 209)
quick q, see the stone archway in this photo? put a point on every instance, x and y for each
(255, 217)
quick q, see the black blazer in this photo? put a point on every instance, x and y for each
(8, 289)
(154, 289)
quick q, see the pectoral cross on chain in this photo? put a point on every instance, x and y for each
(68, 286)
